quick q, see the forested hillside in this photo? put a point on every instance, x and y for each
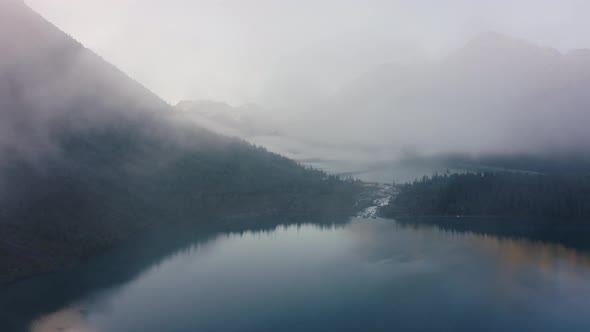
(88, 157)
(557, 197)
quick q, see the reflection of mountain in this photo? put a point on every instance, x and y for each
(34, 297)
(519, 254)
(570, 235)
(423, 248)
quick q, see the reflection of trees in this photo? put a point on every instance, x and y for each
(560, 197)
(27, 300)
(515, 254)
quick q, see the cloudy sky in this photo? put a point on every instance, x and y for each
(266, 51)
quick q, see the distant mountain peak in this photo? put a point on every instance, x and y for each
(493, 46)
(493, 37)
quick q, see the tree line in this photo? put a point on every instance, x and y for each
(563, 197)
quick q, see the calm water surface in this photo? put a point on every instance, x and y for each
(366, 275)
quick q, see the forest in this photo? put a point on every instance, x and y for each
(106, 183)
(561, 197)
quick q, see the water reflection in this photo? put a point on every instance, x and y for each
(24, 302)
(521, 253)
(365, 275)
(69, 319)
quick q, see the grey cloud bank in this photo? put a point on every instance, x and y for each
(284, 53)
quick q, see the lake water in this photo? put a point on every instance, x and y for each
(363, 275)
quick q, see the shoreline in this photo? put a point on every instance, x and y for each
(572, 234)
(221, 223)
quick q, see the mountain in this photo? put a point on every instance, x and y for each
(497, 102)
(288, 136)
(497, 94)
(246, 121)
(89, 157)
(45, 76)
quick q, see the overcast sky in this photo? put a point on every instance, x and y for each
(262, 51)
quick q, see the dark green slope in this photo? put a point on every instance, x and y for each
(88, 157)
(555, 198)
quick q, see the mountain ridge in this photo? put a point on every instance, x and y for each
(513, 95)
(89, 157)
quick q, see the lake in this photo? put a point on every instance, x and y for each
(360, 275)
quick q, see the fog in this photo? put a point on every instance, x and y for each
(357, 81)
(50, 84)
(280, 51)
